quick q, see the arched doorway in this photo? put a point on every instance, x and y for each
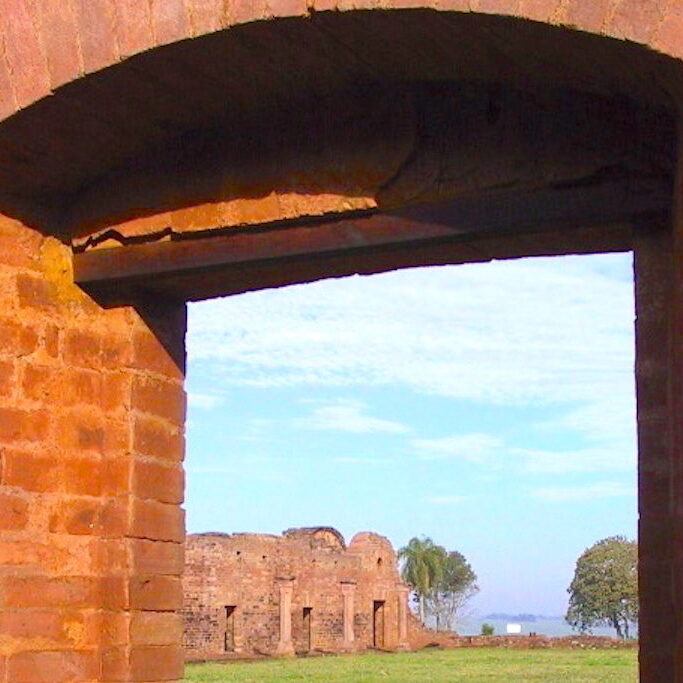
(276, 152)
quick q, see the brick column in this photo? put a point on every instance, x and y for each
(91, 444)
(402, 594)
(155, 534)
(348, 592)
(285, 646)
(659, 382)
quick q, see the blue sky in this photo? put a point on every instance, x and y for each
(490, 407)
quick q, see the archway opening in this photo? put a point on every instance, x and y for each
(490, 407)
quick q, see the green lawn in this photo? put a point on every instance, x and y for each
(565, 666)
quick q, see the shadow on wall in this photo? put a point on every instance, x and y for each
(471, 103)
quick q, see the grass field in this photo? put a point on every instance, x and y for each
(565, 666)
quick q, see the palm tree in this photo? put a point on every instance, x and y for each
(423, 564)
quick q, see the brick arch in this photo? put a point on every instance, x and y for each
(51, 43)
(91, 399)
(133, 178)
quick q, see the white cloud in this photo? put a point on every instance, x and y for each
(445, 500)
(473, 447)
(505, 332)
(204, 401)
(490, 450)
(538, 332)
(607, 458)
(588, 492)
(247, 467)
(347, 416)
(606, 420)
(356, 460)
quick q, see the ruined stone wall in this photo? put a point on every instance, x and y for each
(531, 642)
(246, 571)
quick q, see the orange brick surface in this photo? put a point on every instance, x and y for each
(156, 628)
(162, 663)
(157, 521)
(13, 512)
(53, 667)
(154, 592)
(158, 481)
(67, 455)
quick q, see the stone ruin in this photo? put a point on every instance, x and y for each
(302, 592)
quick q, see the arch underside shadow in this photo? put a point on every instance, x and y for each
(391, 139)
(336, 113)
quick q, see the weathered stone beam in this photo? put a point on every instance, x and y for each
(504, 225)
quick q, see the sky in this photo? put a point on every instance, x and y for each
(490, 407)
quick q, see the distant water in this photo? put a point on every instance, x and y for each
(546, 626)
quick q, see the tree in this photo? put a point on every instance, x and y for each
(456, 585)
(423, 563)
(605, 587)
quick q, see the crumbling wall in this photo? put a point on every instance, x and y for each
(245, 571)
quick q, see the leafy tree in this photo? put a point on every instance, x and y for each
(456, 585)
(605, 587)
(423, 563)
(487, 629)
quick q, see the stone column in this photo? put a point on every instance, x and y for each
(285, 646)
(402, 593)
(659, 385)
(348, 592)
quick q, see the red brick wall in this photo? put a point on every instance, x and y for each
(91, 414)
(242, 570)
